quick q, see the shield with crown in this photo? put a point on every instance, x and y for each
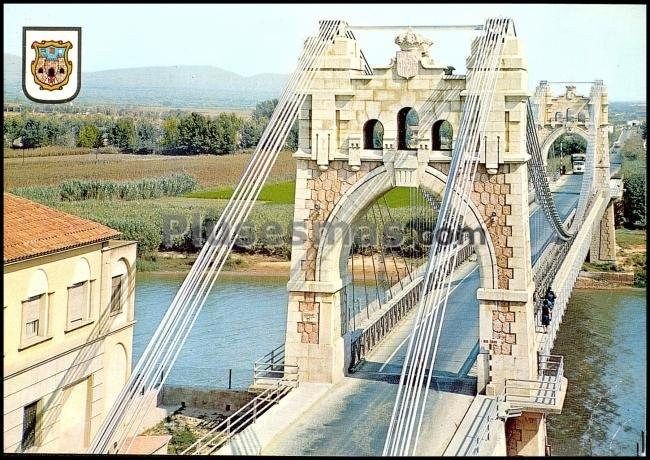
(413, 48)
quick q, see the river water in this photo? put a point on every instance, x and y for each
(602, 338)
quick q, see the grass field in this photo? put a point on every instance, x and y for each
(44, 152)
(626, 238)
(284, 193)
(210, 170)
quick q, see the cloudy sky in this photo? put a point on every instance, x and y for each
(562, 42)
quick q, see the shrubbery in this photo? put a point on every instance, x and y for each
(174, 185)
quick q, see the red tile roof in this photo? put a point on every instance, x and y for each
(31, 229)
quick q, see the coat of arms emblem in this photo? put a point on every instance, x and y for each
(51, 63)
(51, 68)
(407, 64)
(413, 49)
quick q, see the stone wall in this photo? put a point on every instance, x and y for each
(225, 402)
(526, 435)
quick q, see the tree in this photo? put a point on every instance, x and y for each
(147, 136)
(90, 136)
(252, 129)
(251, 132)
(170, 134)
(571, 143)
(33, 133)
(193, 133)
(12, 127)
(223, 132)
(264, 109)
(634, 199)
(122, 134)
(54, 129)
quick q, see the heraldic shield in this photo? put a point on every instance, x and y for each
(52, 61)
(407, 64)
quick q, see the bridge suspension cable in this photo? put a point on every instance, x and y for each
(537, 171)
(422, 348)
(121, 425)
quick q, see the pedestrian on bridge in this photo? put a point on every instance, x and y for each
(550, 295)
(547, 306)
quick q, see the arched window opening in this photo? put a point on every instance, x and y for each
(582, 116)
(373, 135)
(407, 122)
(558, 116)
(441, 135)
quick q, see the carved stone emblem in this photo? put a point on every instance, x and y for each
(407, 64)
(413, 47)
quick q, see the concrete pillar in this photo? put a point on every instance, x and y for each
(526, 435)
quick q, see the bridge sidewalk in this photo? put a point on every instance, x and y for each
(255, 437)
(464, 442)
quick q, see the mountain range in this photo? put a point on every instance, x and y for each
(167, 86)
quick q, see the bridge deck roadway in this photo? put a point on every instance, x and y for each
(352, 418)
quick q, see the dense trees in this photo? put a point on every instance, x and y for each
(568, 144)
(179, 132)
(634, 182)
(122, 134)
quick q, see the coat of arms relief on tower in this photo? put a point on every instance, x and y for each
(413, 49)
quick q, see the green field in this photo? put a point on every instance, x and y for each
(626, 238)
(284, 193)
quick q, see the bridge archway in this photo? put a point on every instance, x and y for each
(334, 245)
(555, 134)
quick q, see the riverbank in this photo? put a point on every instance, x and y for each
(265, 266)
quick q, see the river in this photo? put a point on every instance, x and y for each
(603, 340)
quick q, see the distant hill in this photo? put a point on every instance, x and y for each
(169, 86)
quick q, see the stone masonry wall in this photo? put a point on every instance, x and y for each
(326, 188)
(489, 194)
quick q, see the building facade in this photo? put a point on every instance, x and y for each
(68, 326)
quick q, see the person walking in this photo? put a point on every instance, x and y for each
(550, 295)
(546, 314)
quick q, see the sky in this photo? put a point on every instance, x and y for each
(561, 42)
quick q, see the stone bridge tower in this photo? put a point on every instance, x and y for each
(571, 113)
(341, 170)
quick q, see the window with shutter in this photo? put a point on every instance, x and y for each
(29, 425)
(77, 302)
(31, 316)
(116, 294)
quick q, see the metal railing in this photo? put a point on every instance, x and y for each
(271, 368)
(540, 393)
(237, 422)
(483, 432)
(402, 302)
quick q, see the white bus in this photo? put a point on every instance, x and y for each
(578, 162)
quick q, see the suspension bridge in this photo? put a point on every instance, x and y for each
(442, 349)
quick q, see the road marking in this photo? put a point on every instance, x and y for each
(409, 335)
